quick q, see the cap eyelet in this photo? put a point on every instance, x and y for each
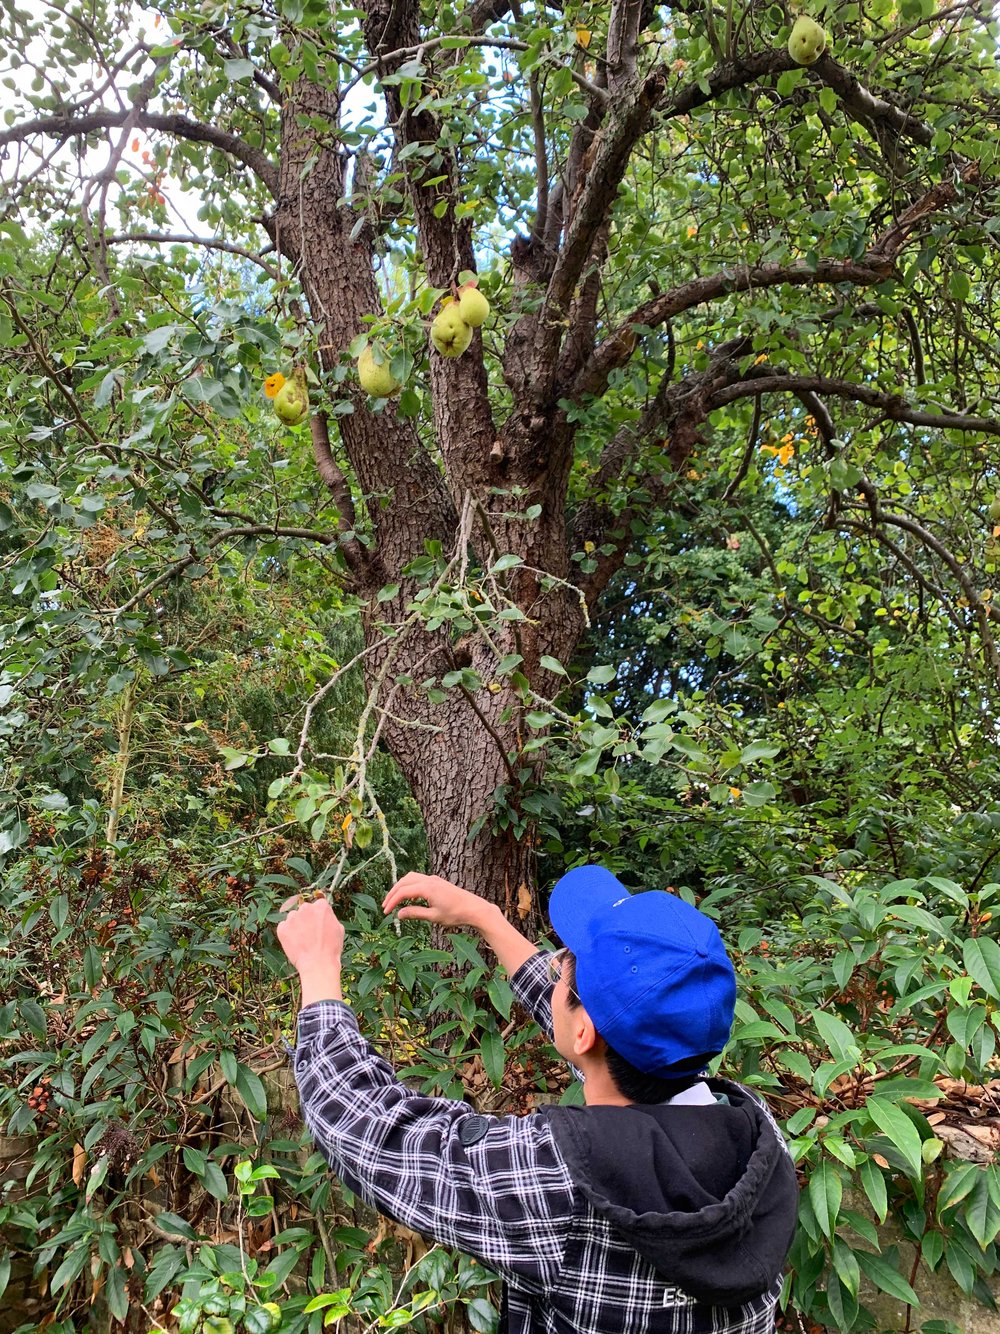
(628, 949)
(634, 969)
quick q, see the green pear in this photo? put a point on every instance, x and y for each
(473, 306)
(376, 378)
(449, 332)
(995, 509)
(291, 403)
(807, 41)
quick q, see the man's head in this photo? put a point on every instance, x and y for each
(650, 970)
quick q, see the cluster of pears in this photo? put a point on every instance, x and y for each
(807, 41)
(291, 402)
(451, 329)
(451, 333)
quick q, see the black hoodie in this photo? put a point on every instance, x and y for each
(706, 1194)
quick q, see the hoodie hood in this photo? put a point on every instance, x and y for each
(706, 1194)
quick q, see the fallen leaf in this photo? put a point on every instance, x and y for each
(79, 1164)
(524, 900)
(178, 1053)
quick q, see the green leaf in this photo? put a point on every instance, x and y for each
(659, 710)
(508, 562)
(759, 750)
(237, 70)
(898, 1127)
(251, 1090)
(602, 676)
(882, 1272)
(492, 1051)
(34, 1016)
(874, 1187)
(826, 1190)
(551, 664)
(71, 1266)
(172, 1225)
(214, 1181)
(837, 1036)
(482, 1316)
(789, 81)
(981, 955)
(959, 286)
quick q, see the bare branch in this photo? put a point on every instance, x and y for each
(65, 126)
(612, 150)
(748, 453)
(865, 107)
(894, 406)
(337, 484)
(541, 160)
(628, 19)
(209, 242)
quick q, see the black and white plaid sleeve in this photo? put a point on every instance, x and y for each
(532, 988)
(496, 1188)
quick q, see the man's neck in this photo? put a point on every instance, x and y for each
(599, 1089)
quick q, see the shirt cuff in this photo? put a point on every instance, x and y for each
(323, 1017)
(532, 983)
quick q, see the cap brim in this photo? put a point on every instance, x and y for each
(580, 899)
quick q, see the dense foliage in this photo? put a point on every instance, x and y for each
(686, 564)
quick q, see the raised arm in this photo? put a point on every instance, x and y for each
(450, 905)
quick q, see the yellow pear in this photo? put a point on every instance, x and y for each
(291, 403)
(473, 306)
(807, 41)
(449, 332)
(376, 378)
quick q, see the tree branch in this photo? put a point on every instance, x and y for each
(336, 483)
(874, 266)
(541, 161)
(894, 406)
(463, 419)
(193, 557)
(70, 127)
(209, 242)
(612, 149)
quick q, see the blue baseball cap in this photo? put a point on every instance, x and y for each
(651, 970)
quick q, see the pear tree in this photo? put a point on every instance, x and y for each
(601, 250)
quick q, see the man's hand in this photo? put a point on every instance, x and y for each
(447, 904)
(313, 940)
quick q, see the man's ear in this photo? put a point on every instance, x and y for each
(586, 1038)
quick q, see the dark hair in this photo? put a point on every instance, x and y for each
(631, 1083)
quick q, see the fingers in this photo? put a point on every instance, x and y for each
(398, 895)
(417, 914)
(412, 886)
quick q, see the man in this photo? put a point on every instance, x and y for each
(665, 1204)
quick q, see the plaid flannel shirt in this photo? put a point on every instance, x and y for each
(506, 1198)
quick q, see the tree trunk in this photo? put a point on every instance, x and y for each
(461, 754)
